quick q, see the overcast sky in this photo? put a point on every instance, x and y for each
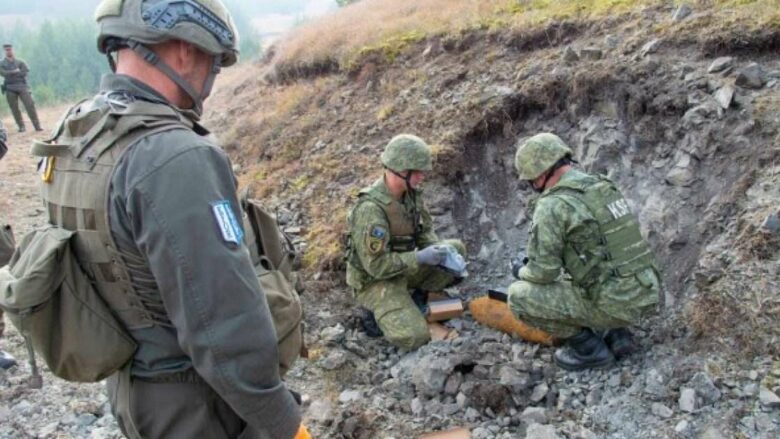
(270, 16)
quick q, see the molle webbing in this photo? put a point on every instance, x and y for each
(619, 251)
(86, 147)
(403, 228)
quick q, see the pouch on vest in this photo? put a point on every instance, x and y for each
(52, 303)
(273, 256)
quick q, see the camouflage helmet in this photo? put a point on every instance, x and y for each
(206, 24)
(538, 154)
(406, 152)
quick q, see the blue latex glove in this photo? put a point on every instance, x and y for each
(517, 263)
(432, 255)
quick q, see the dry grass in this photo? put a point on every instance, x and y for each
(388, 27)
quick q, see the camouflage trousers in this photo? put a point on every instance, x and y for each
(563, 309)
(396, 314)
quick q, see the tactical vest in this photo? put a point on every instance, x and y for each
(78, 163)
(404, 228)
(618, 250)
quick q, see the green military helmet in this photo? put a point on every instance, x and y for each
(406, 152)
(207, 24)
(538, 154)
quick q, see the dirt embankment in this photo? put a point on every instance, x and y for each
(679, 107)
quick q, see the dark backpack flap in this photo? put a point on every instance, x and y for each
(53, 304)
(269, 240)
(7, 244)
(273, 255)
(287, 313)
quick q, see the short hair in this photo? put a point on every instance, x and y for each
(7, 46)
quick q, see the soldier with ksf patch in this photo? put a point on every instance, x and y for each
(152, 202)
(393, 247)
(587, 267)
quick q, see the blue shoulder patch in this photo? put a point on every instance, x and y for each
(378, 232)
(229, 226)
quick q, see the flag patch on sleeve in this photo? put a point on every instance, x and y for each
(226, 220)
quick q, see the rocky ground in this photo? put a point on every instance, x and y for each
(690, 131)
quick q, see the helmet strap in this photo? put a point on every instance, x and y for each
(407, 179)
(153, 59)
(216, 67)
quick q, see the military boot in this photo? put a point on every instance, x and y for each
(620, 342)
(585, 350)
(7, 361)
(370, 326)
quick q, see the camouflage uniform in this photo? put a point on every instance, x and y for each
(381, 263)
(608, 296)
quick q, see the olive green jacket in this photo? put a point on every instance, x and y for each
(160, 211)
(15, 73)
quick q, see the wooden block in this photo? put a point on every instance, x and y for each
(457, 433)
(444, 310)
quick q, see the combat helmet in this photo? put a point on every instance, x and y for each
(136, 24)
(406, 152)
(538, 154)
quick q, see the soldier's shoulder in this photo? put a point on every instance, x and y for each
(366, 208)
(554, 206)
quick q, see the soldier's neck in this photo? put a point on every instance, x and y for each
(556, 177)
(397, 189)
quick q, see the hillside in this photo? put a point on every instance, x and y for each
(679, 104)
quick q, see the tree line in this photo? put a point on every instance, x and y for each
(63, 58)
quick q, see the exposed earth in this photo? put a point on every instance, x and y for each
(687, 124)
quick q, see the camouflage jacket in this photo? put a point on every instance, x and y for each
(560, 219)
(371, 256)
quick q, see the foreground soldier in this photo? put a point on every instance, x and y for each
(6, 250)
(393, 246)
(164, 246)
(15, 87)
(3, 140)
(583, 226)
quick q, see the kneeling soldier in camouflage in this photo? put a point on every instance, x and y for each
(393, 247)
(587, 266)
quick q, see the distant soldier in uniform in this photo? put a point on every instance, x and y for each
(15, 70)
(587, 266)
(393, 247)
(153, 203)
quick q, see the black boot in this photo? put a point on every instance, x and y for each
(585, 350)
(369, 324)
(620, 342)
